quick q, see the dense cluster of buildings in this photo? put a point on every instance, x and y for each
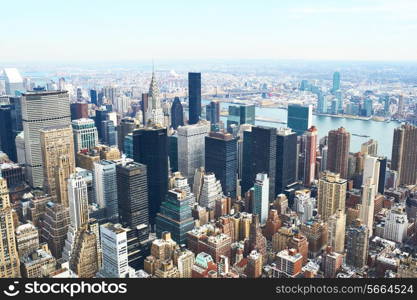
(104, 186)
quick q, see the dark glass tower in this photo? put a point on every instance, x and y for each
(132, 194)
(109, 133)
(299, 118)
(221, 159)
(243, 114)
(286, 167)
(194, 97)
(382, 170)
(7, 134)
(177, 114)
(173, 152)
(101, 115)
(175, 215)
(150, 147)
(213, 112)
(259, 156)
(94, 97)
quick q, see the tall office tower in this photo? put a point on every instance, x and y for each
(79, 110)
(57, 145)
(213, 112)
(114, 245)
(400, 105)
(101, 115)
(177, 114)
(256, 240)
(369, 191)
(194, 97)
(78, 201)
(191, 148)
(144, 106)
(396, 224)
(240, 143)
(109, 133)
(105, 188)
(321, 103)
(382, 174)
(85, 134)
(286, 159)
(331, 194)
(173, 152)
(94, 97)
(175, 215)
(309, 155)
(338, 151)
(55, 227)
(211, 191)
(13, 81)
(81, 248)
(9, 258)
(221, 159)
(299, 118)
(132, 193)
(41, 109)
(336, 82)
(404, 154)
(126, 126)
(242, 114)
(7, 134)
(336, 231)
(370, 148)
(154, 114)
(259, 156)
(261, 197)
(150, 147)
(357, 236)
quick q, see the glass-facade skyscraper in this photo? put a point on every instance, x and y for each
(286, 159)
(177, 114)
(221, 159)
(194, 97)
(242, 114)
(299, 118)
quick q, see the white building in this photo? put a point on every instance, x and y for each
(304, 205)
(14, 81)
(211, 191)
(191, 148)
(396, 224)
(261, 197)
(105, 187)
(114, 247)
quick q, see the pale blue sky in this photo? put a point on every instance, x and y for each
(87, 30)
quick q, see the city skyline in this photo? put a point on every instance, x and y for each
(102, 31)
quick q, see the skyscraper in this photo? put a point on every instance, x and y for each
(336, 82)
(9, 258)
(177, 114)
(261, 197)
(14, 82)
(242, 114)
(79, 110)
(369, 191)
(336, 234)
(175, 215)
(7, 132)
(105, 188)
(154, 114)
(299, 118)
(78, 201)
(126, 126)
(194, 97)
(259, 156)
(132, 193)
(338, 151)
(382, 174)
(331, 194)
(213, 112)
(286, 159)
(309, 155)
(404, 154)
(211, 191)
(221, 159)
(41, 109)
(85, 134)
(109, 133)
(357, 236)
(150, 147)
(101, 115)
(191, 148)
(57, 144)
(93, 97)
